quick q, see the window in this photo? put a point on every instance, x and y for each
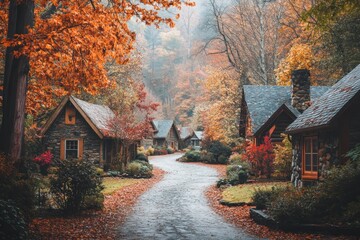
(310, 157)
(71, 149)
(70, 116)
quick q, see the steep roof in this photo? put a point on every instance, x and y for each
(198, 135)
(97, 116)
(186, 132)
(264, 101)
(329, 105)
(163, 127)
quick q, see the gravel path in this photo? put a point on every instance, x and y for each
(176, 208)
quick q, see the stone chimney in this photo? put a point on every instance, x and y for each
(300, 89)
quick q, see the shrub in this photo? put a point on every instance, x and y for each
(141, 150)
(235, 158)
(149, 151)
(262, 198)
(207, 157)
(44, 160)
(334, 199)
(218, 149)
(192, 156)
(75, 181)
(12, 222)
(236, 174)
(160, 152)
(261, 157)
(142, 157)
(94, 202)
(139, 169)
(283, 157)
(170, 150)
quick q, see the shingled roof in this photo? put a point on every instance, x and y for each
(198, 135)
(264, 101)
(97, 116)
(329, 105)
(186, 132)
(163, 127)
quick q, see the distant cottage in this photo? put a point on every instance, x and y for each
(78, 129)
(269, 110)
(197, 139)
(327, 130)
(166, 134)
(186, 134)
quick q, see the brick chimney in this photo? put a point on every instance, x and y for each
(300, 89)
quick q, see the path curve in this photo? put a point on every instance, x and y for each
(176, 207)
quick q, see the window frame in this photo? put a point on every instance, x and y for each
(310, 174)
(78, 147)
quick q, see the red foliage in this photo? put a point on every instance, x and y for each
(44, 159)
(262, 157)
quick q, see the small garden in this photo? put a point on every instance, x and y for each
(335, 200)
(63, 189)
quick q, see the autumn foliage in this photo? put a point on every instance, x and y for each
(72, 40)
(261, 157)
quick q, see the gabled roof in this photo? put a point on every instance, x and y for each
(97, 116)
(198, 135)
(186, 132)
(264, 101)
(284, 108)
(164, 127)
(328, 106)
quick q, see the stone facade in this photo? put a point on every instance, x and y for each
(328, 155)
(80, 130)
(300, 89)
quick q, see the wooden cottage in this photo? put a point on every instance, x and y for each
(186, 134)
(327, 130)
(196, 140)
(166, 134)
(269, 110)
(78, 129)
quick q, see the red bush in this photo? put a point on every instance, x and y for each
(261, 157)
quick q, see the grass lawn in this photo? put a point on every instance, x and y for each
(112, 184)
(243, 192)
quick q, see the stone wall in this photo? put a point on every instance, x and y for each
(300, 89)
(328, 155)
(81, 130)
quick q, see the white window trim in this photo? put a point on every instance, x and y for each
(78, 147)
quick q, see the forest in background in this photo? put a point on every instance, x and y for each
(195, 66)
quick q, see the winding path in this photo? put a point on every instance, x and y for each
(176, 207)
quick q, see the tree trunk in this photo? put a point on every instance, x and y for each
(21, 16)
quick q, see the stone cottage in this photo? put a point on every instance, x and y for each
(269, 110)
(197, 139)
(327, 130)
(166, 134)
(78, 129)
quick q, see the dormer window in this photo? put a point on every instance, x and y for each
(70, 115)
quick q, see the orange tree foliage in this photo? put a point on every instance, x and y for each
(221, 106)
(72, 40)
(261, 157)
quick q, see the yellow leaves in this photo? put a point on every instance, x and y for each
(222, 96)
(300, 56)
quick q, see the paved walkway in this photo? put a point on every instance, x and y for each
(176, 207)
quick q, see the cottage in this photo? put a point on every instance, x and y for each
(328, 129)
(167, 134)
(186, 134)
(78, 129)
(268, 110)
(196, 140)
